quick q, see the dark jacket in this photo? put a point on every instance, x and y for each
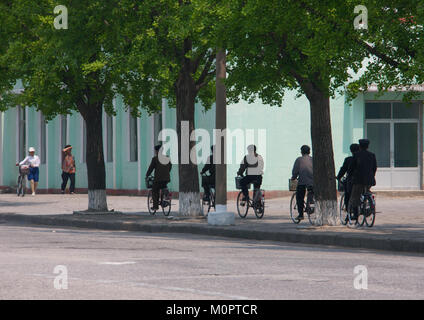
(302, 168)
(344, 168)
(363, 168)
(161, 170)
(209, 166)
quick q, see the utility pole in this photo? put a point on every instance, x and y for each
(221, 216)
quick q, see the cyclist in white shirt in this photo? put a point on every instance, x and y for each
(33, 162)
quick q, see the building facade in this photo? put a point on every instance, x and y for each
(394, 129)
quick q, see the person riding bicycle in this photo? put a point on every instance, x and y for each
(362, 169)
(208, 181)
(354, 147)
(253, 164)
(162, 166)
(302, 169)
(34, 163)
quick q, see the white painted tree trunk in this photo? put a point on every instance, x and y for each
(190, 204)
(326, 213)
(97, 200)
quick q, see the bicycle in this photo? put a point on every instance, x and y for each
(308, 206)
(165, 198)
(341, 187)
(257, 202)
(23, 172)
(366, 210)
(211, 202)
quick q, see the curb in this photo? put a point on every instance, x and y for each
(292, 236)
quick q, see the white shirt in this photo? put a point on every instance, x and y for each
(34, 161)
(259, 169)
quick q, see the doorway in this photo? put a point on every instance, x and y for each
(393, 129)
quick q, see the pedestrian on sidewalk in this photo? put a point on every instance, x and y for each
(68, 169)
(33, 162)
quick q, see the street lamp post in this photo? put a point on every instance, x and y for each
(221, 216)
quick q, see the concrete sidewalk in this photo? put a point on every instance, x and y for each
(399, 222)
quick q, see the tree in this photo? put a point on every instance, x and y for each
(173, 41)
(394, 39)
(280, 45)
(74, 69)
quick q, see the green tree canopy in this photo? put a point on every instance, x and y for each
(275, 46)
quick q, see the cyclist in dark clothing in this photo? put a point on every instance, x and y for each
(162, 166)
(253, 164)
(362, 170)
(208, 181)
(354, 147)
(302, 168)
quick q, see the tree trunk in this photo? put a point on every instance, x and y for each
(96, 172)
(189, 195)
(323, 158)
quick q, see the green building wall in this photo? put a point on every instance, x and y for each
(286, 129)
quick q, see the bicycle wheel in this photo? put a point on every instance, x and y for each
(369, 212)
(18, 188)
(242, 206)
(343, 212)
(212, 201)
(204, 206)
(352, 221)
(165, 204)
(150, 203)
(310, 210)
(22, 187)
(260, 206)
(293, 208)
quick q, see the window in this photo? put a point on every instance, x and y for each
(378, 110)
(406, 111)
(109, 138)
(389, 110)
(21, 133)
(133, 139)
(63, 130)
(43, 139)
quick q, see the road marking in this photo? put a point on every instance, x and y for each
(154, 286)
(117, 263)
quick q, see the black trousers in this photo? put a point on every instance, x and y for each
(208, 182)
(355, 197)
(300, 197)
(157, 185)
(246, 180)
(65, 177)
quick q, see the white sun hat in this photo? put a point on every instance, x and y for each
(31, 149)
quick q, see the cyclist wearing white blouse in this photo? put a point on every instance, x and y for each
(33, 162)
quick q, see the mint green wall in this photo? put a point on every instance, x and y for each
(287, 128)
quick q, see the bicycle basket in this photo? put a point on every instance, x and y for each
(24, 169)
(238, 184)
(293, 184)
(341, 185)
(149, 182)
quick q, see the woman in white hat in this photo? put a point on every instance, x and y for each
(34, 162)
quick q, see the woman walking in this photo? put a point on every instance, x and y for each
(68, 169)
(33, 162)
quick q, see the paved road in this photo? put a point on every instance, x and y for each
(125, 265)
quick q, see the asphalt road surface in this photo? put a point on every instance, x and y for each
(126, 265)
